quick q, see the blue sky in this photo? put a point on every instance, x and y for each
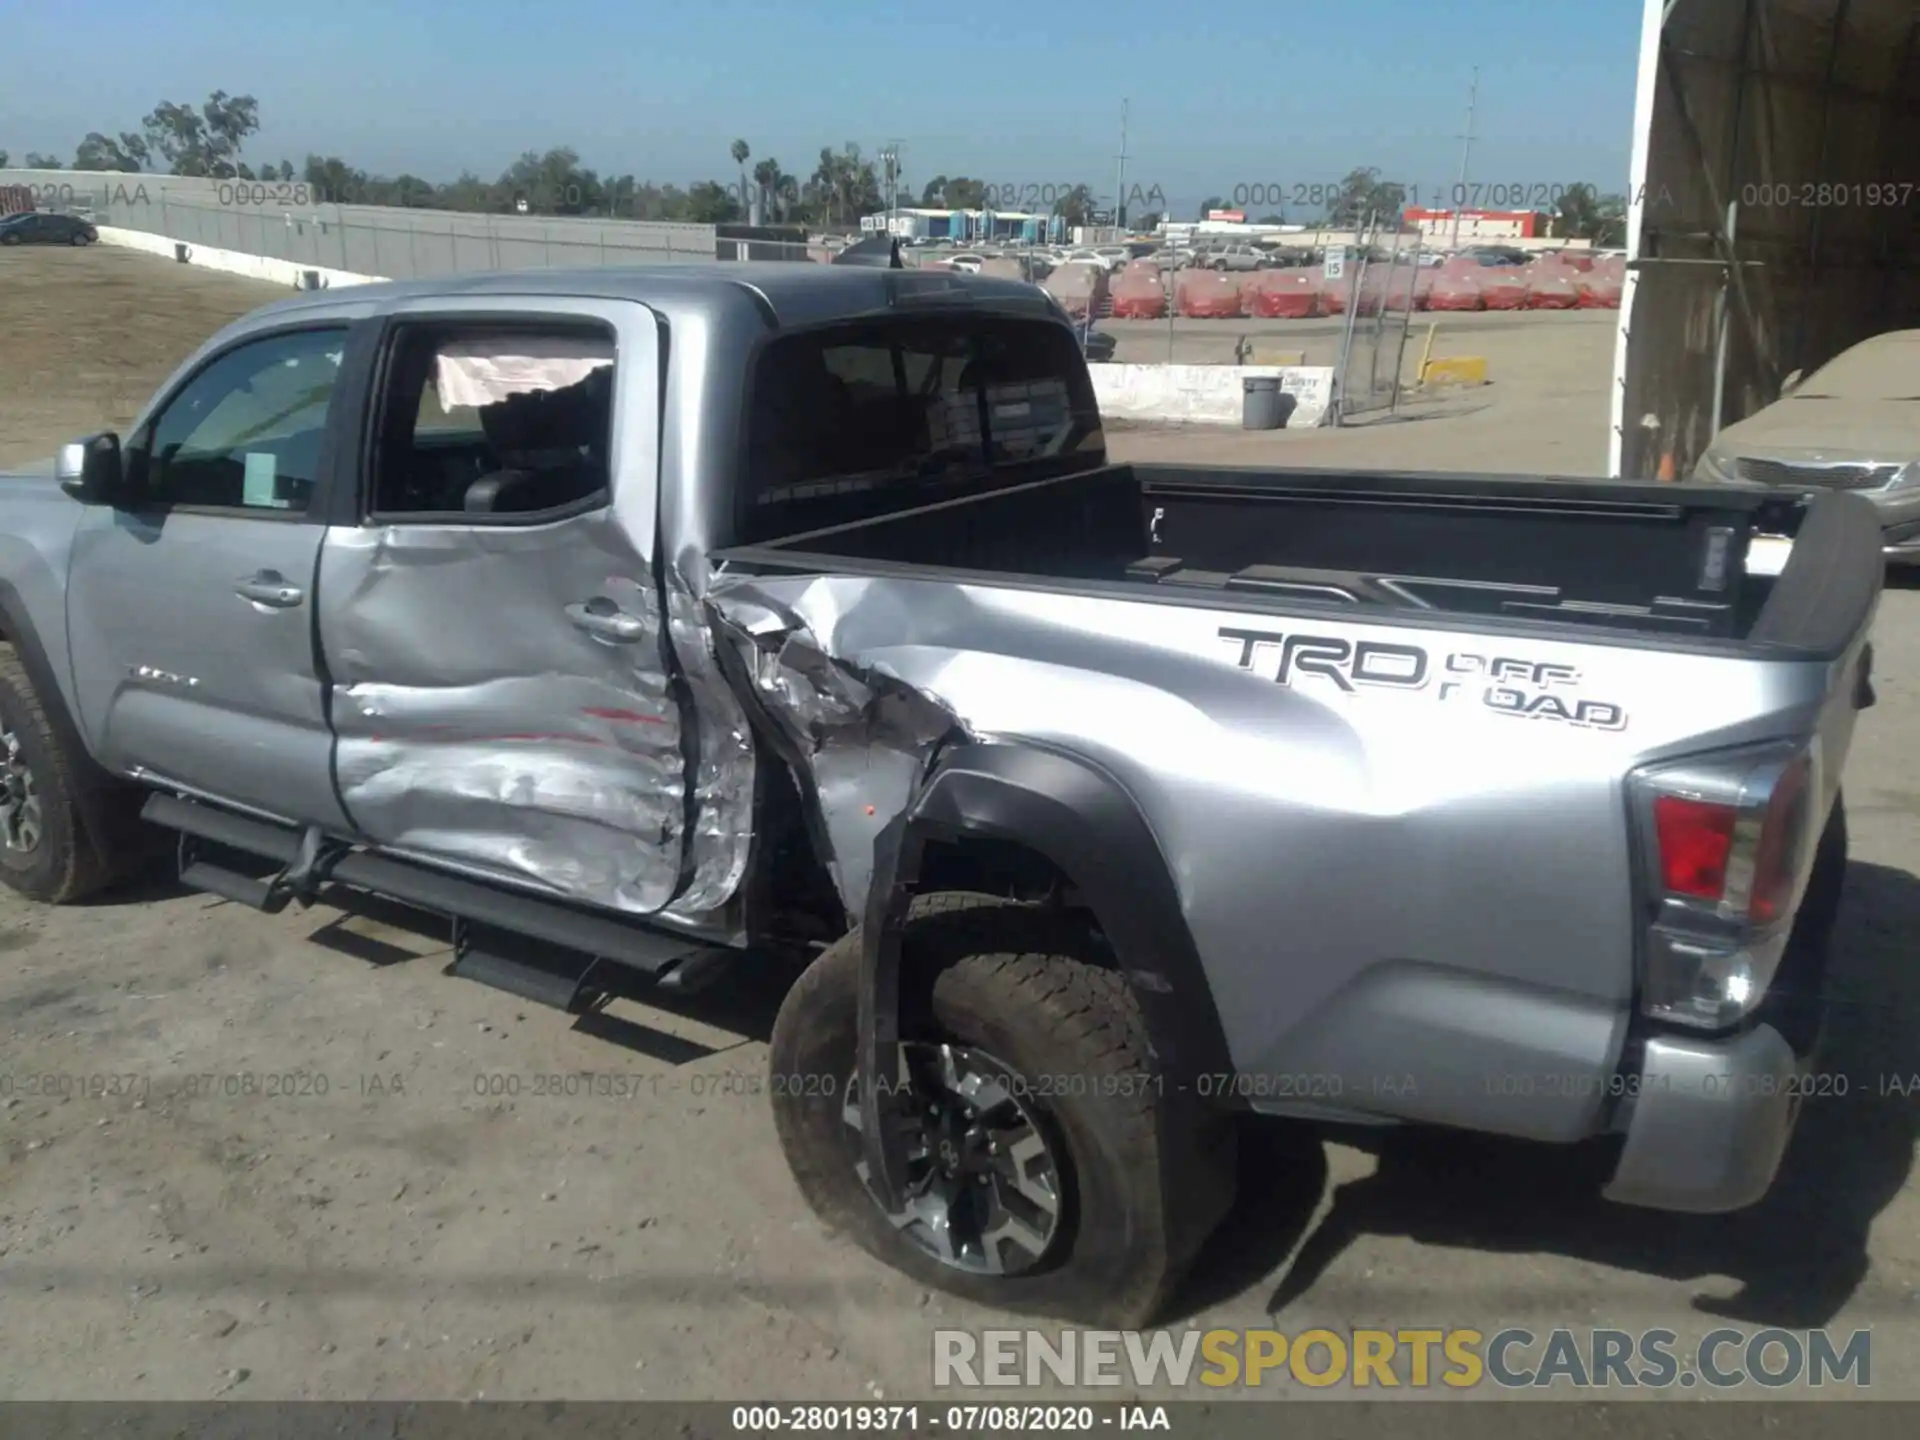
(1225, 94)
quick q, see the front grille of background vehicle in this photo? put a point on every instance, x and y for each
(1822, 477)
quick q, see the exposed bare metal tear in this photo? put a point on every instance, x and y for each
(723, 778)
(866, 736)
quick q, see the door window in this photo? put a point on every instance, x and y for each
(498, 425)
(245, 433)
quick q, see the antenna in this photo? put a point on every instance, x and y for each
(1466, 154)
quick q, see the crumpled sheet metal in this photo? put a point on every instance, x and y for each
(724, 766)
(523, 749)
(865, 736)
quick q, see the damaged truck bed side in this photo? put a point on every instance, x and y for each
(641, 620)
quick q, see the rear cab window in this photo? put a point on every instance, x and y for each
(877, 415)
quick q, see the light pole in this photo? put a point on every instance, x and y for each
(1466, 153)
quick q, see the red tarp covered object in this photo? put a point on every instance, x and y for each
(1503, 287)
(1600, 288)
(1081, 288)
(1208, 295)
(1139, 292)
(1456, 286)
(1551, 284)
(1283, 294)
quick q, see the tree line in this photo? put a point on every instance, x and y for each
(207, 141)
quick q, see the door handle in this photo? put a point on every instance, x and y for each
(615, 625)
(269, 587)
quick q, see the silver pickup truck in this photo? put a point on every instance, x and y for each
(665, 623)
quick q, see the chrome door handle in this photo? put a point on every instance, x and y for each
(268, 588)
(615, 625)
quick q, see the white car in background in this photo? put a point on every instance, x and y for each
(1853, 424)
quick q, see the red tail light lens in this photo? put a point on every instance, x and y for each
(1696, 842)
(1782, 837)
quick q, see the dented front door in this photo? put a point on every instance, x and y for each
(501, 697)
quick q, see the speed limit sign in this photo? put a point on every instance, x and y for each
(1336, 262)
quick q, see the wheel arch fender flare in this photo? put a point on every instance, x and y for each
(1082, 820)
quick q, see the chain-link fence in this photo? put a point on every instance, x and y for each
(389, 241)
(1383, 270)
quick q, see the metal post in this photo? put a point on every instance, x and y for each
(1466, 153)
(1723, 314)
(1413, 286)
(1173, 292)
(1353, 311)
(1120, 177)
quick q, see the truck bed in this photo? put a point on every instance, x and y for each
(1649, 560)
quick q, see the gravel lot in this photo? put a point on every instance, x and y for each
(323, 1169)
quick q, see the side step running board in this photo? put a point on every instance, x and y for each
(626, 942)
(546, 976)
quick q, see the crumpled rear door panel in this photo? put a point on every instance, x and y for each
(484, 718)
(478, 724)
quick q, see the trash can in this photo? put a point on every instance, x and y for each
(1260, 407)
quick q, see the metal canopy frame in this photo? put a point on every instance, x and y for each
(1764, 110)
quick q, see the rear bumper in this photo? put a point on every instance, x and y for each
(1710, 1121)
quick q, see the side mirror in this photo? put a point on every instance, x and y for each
(91, 470)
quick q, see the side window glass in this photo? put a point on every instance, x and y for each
(513, 424)
(246, 431)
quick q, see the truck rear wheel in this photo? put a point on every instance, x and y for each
(44, 854)
(1035, 1116)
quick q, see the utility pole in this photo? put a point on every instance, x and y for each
(1466, 154)
(890, 159)
(1120, 181)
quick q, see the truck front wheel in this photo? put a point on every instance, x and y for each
(1034, 1116)
(44, 852)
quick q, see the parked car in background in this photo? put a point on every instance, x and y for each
(1854, 424)
(1493, 255)
(36, 227)
(1238, 257)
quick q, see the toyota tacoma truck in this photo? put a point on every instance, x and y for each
(668, 623)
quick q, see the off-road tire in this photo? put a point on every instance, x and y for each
(1026, 985)
(64, 866)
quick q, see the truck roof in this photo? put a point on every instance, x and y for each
(786, 293)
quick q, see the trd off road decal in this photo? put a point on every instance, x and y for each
(1528, 689)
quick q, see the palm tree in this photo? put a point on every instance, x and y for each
(1585, 214)
(772, 183)
(741, 150)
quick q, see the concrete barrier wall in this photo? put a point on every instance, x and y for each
(233, 262)
(1207, 394)
(404, 243)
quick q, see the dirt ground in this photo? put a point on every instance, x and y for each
(1544, 412)
(287, 1157)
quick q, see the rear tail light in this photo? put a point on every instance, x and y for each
(1695, 840)
(1728, 840)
